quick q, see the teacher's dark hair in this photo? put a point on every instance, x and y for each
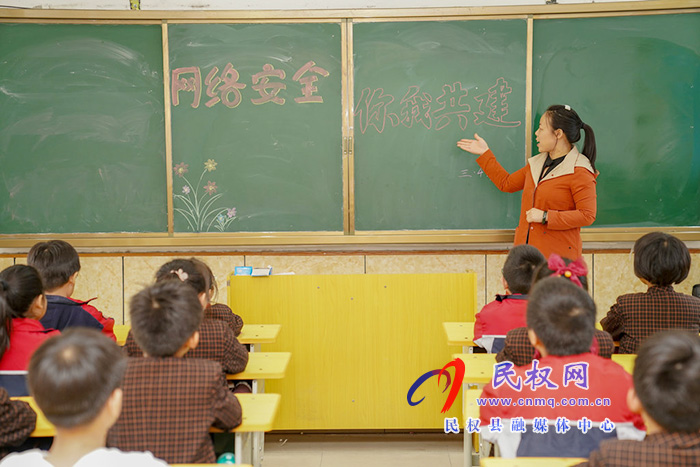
(568, 121)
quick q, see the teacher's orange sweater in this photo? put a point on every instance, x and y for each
(567, 193)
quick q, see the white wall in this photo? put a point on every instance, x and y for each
(271, 4)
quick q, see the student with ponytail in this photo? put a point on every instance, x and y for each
(558, 184)
(22, 305)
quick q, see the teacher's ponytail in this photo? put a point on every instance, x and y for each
(589, 144)
(564, 118)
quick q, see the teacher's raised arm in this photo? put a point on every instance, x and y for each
(558, 184)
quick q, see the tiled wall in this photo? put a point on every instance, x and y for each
(114, 279)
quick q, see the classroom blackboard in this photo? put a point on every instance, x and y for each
(419, 87)
(636, 81)
(82, 145)
(257, 127)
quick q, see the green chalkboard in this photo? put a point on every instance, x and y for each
(419, 87)
(636, 81)
(82, 145)
(257, 129)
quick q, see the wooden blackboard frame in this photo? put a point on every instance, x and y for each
(349, 237)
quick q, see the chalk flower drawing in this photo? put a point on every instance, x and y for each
(180, 169)
(197, 204)
(210, 165)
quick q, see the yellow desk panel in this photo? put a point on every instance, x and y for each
(264, 365)
(359, 343)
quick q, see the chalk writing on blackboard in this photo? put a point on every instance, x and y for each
(226, 88)
(417, 107)
(198, 208)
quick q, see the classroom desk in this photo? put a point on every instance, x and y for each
(262, 366)
(460, 334)
(531, 462)
(256, 334)
(478, 367)
(259, 411)
(121, 331)
(253, 334)
(626, 361)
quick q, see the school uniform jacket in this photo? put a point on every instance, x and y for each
(62, 313)
(567, 193)
(216, 342)
(17, 421)
(107, 323)
(636, 316)
(517, 348)
(169, 406)
(657, 450)
(601, 395)
(223, 313)
(495, 319)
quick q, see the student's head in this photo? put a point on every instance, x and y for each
(561, 121)
(190, 271)
(21, 296)
(204, 268)
(562, 317)
(661, 259)
(556, 266)
(667, 380)
(165, 317)
(57, 262)
(519, 267)
(75, 377)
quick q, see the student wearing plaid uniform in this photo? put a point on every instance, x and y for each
(560, 319)
(17, 421)
(660, 260)
(216, 339)
(667, 394)
(218, 311)
(508, 311)
(517, 347)
(75, 379)
(171, 402)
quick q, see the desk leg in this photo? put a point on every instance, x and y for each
(244, 448)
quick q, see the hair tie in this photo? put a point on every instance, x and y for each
(571, 271)
(181, 274)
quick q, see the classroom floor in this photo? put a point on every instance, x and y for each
(363, 450)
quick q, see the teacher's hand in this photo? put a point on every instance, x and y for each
(534, 215)
(476, 146)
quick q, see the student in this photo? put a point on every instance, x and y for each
(22, 305)
(667, 395)
(508, 311)
(660, 260)
(558, 184)
(171, 402)
(216, 341)
(568, 386)
(59, 264)
(17, 421)
(218, 311)
(75, 380)
(517, 347)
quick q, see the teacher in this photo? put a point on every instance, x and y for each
(559, 183)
